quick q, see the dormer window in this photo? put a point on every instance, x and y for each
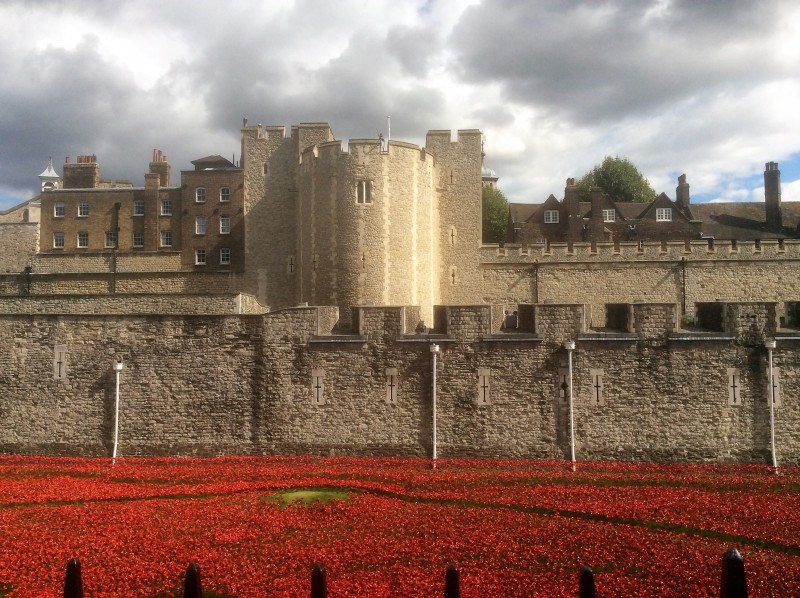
(664, 215)
(609, 215)
(551, 216)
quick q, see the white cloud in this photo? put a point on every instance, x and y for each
(677, 86)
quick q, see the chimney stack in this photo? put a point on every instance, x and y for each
(83, 174)
(161, 167)
(772, 196)
(682, 193)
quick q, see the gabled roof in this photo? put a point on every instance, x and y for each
(520, 212)
(745, 221)
(662, 201)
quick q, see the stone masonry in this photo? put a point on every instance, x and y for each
(657, 393)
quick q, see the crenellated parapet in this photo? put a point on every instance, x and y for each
(707, 249)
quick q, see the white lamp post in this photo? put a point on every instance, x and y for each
(570, 347)
(117, 369)
(434, 352)
(770, 345)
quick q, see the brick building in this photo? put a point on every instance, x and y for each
(200, 221)
(604, 220)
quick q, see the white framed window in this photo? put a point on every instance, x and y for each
(663, 214)
(364, 192)
(59, 210)
(199, 257)
(111, 239)
(138, 238)
(551, 216)
(83, 239)
(83, 209)
(166, 207)
(224, 194)
(200, 195)
(224, 225)
(58, 240)
(609, 215)
(224, 257)
(138, 207)
(166, 238)
(200, 225)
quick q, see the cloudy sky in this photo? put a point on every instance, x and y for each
(710, 88)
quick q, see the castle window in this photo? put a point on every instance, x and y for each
(200, 195)
(484, 386)
(364, 192)
(83, 209)
(166, 238)
(58, 209)
(200, 225)
(199, 257)
(734, 387)
(138, 207)
(664, 215)
(224, 257)
(609, 215)
(224, 225)
(111, 239)
(266, 168)
(166, 207)
(551, 216)
(709, 316)
(138, 239)
(618, 317)
(597, 387)
(224, 194)
(58, 240)
(83, 239)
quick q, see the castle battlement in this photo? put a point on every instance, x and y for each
(365, 149)
(645, 251)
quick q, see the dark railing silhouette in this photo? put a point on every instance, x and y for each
(732, 585)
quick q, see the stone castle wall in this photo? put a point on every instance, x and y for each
(19, 242)
(684, 274)
(280, 383)
(131, 304)
(132, 283)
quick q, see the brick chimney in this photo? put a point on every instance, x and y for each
(572, 207)
(160, 166)
(84, 173)
(682, 193)
(596, 225)
(772, 196)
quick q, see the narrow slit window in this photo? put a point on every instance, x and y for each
(364, 192)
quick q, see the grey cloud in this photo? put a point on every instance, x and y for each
(592, 62)
(413, 47)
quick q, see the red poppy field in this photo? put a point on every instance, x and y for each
(389, 527)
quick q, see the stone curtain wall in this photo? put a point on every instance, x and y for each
(243, 385)
(131, 304)
(19, 242)
(658, 273)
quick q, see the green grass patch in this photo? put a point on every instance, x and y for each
(308, 496)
